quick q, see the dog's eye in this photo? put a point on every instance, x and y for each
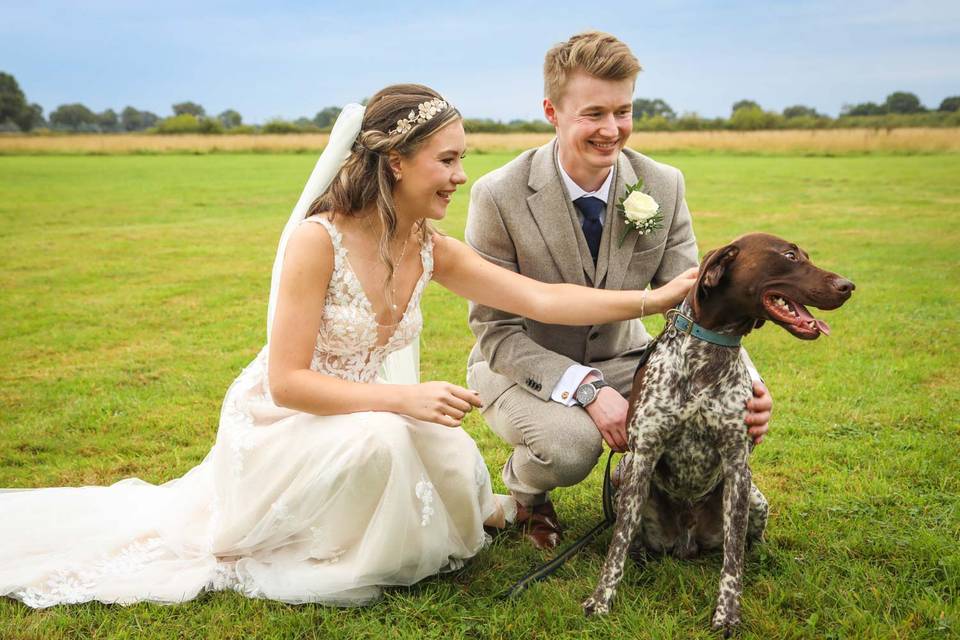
(790, 255)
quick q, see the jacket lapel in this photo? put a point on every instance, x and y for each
(554, 215)
(608, 246)
(619, 256)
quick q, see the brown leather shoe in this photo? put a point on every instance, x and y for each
(540, 525)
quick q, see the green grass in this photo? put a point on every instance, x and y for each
(134, 290)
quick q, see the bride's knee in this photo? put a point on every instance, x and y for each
(384, 436)
(462, 441)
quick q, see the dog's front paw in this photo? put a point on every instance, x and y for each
(725, 620)
(595, 605)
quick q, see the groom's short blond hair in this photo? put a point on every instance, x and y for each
(597, 53)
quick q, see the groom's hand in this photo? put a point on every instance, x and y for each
(609, 413)
(759, 408)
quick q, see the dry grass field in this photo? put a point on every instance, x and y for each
(824, 141)
(816, 142)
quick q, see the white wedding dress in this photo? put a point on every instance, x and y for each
(287, 505)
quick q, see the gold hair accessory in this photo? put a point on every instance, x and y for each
(425, 111)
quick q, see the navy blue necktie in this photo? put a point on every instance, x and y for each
(591, 208)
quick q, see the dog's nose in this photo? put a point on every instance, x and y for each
(844, 286)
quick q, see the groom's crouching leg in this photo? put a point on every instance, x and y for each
(554, 445)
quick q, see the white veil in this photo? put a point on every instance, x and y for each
(400, 367)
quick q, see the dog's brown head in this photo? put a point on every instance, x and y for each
(760, 277)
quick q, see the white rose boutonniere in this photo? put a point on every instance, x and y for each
(640, 212)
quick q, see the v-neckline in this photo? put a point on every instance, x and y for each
(366, 298)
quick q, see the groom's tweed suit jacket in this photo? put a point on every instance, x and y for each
(521, 218)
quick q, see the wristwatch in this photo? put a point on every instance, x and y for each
(587, 392)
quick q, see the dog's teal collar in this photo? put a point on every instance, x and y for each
(685, 324)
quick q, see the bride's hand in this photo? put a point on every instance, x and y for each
(672, 293)
(439, 402)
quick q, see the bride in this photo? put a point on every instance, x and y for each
(333, 473)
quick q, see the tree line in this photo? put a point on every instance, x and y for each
(899, 109)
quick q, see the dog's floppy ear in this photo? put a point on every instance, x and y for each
(712, 268)
(715, 264)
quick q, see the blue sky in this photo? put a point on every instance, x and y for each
(289, 59)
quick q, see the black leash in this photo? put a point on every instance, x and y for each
(609, 513)
(546, 570)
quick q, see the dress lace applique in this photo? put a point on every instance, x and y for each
(347, 341)
(241, 440)
(63, 587)
(226, 577)
(280, 510)
(480, 474)
(424, 492)
(320, 548)
(236, 413)
(72, 585)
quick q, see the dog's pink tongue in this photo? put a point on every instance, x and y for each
(804, 318)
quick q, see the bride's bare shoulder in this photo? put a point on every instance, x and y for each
(310, 248)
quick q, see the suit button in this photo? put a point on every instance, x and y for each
(594, 335)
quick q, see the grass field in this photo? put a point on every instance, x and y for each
(807, 142)
(134, 290)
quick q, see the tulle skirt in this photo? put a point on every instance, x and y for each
(287, 505)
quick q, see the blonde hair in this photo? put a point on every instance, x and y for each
(366, 177)
(594, 52)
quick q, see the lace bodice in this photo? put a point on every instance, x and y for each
(347, 343)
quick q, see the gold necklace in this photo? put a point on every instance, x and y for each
(393, 280)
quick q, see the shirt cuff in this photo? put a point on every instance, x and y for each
(752, 370)
(568, 383)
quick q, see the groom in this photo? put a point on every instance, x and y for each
(555, 393)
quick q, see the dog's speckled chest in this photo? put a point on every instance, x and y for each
(701, 390)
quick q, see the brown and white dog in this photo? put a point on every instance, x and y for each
(686, 486)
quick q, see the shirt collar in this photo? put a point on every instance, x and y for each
(576, 191)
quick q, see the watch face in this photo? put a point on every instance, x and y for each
(585, 394)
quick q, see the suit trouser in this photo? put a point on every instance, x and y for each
(553, 445)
